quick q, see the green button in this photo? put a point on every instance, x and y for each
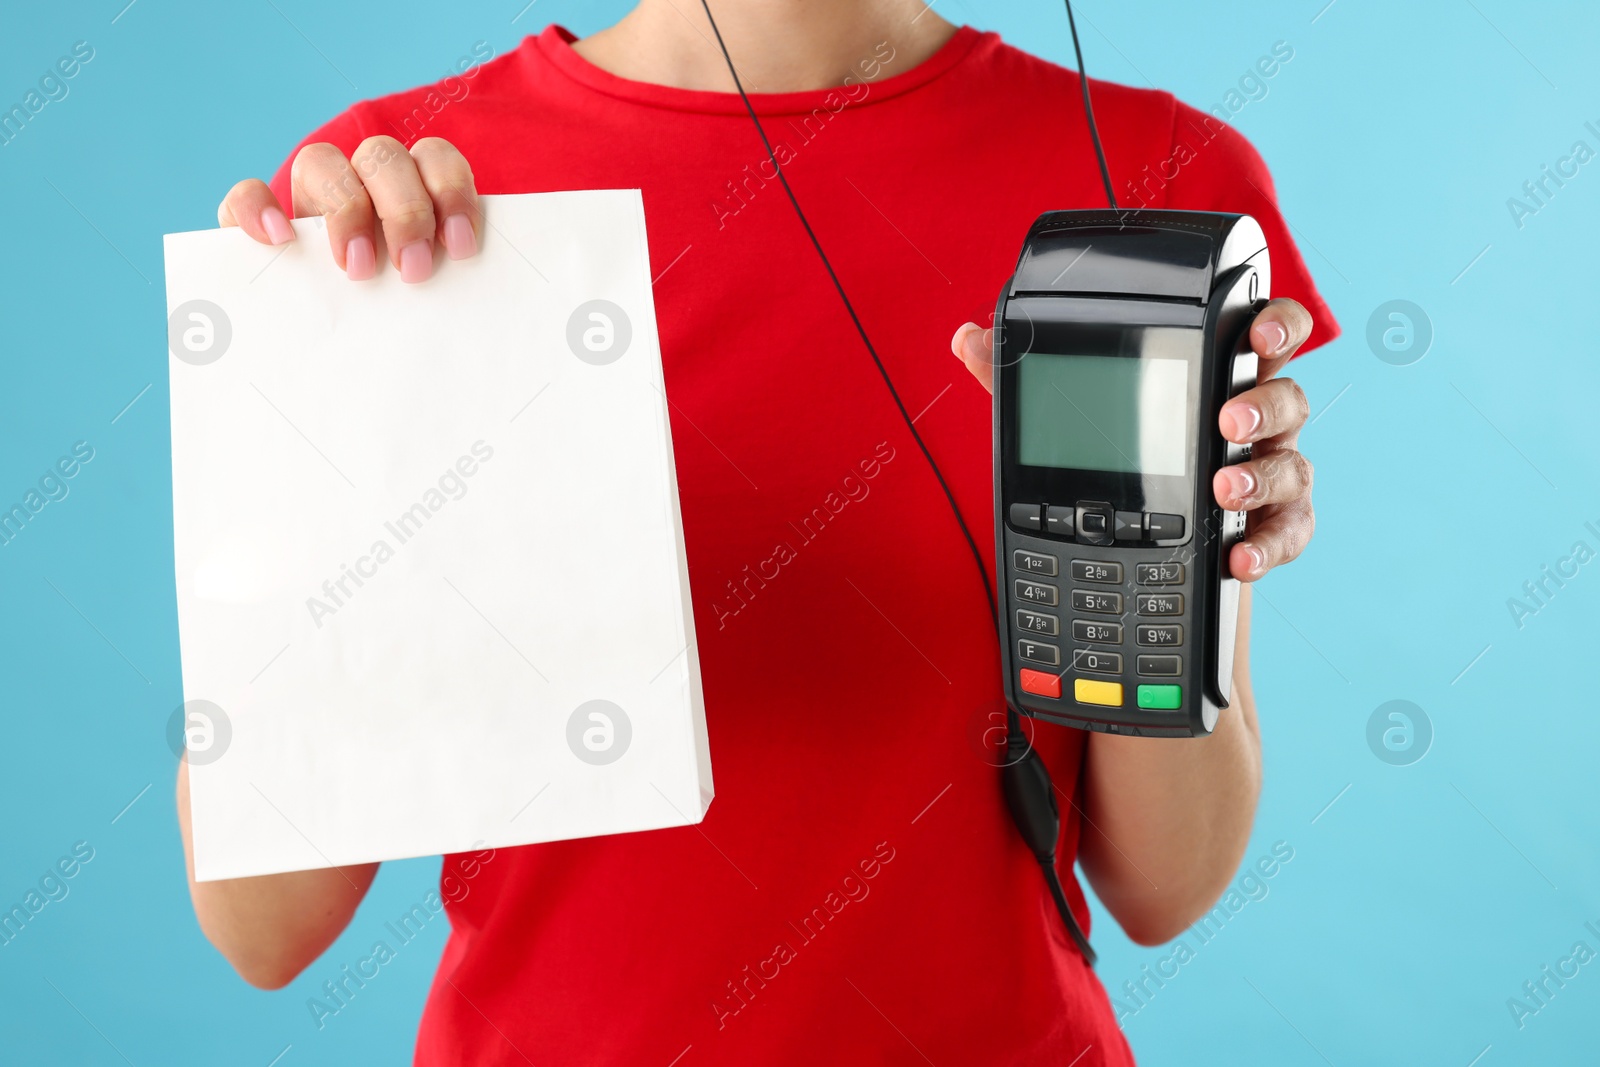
(1161, 697)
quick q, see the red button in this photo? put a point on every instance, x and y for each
(1041, 683)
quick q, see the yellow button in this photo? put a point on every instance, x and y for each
(1091, 692)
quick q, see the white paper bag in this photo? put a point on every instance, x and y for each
(432, 589)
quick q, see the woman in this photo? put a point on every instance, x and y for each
(857, 893)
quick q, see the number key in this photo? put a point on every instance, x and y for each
(1037, 592)
(1158, 635)
(1099, 633)
(1038, 622)
(1159, 603)
(1099, 603)
(1087, 570)
(1084, 659)
(1034, 563)
(1158, 573)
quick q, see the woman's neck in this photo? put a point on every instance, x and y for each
(778, 46)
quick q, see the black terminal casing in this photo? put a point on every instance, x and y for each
(1087, 271)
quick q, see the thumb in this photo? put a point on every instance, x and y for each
(972, 345)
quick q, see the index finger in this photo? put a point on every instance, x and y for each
(972, 345)
(1277, 333)
(251, 206)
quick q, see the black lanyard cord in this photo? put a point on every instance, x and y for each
(1028, 790)
(1088, 109)
(983, 570)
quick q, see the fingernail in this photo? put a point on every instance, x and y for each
(416, 262)
(1274, 335)
(278, 229)
(360, 258)
(1243, 482)
(459, 240)
(1246, 420)
(1258, 559)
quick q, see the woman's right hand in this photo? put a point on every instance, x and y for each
(423, 197)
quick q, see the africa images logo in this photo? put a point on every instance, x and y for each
(1399, 733)
(1399, 332)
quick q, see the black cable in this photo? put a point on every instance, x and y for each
(977, 556)
(1031, 797)
(1088, 110)
(1053, 879)
(1029, 793)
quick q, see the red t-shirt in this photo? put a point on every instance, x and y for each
(857, 893)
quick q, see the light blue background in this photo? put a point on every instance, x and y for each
(1414, 906)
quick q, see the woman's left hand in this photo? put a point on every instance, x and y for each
(1274, 485)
